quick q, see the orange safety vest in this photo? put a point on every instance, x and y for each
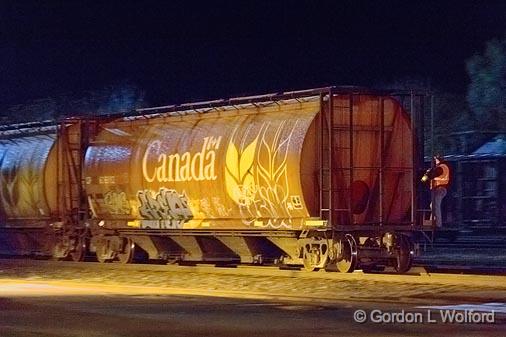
(444, 179)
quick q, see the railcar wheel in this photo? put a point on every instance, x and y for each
(311, 259)
(128, 252)
(104, 253)
(347, 261)
(59, 252)
(62, 248)
(79, 252)
(404, 258)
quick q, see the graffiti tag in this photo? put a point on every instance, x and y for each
(164, 205)
(117, 203)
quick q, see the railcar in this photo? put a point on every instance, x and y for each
(476, 202)
(322, 178)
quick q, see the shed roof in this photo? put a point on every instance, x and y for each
(496, 146)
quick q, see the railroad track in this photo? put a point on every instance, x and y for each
(486, 256)
(251, 282)
(425, 273)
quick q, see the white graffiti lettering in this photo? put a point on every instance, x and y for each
(164, 205)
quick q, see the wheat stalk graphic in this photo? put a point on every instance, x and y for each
(272, 173)
(256, 177)
(239, 179)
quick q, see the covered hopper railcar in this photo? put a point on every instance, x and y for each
(320, 178)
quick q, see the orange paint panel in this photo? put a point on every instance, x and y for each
(227, 170)
(253, 168)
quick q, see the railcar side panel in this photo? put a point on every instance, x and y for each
(252, 168)
(234, 170)
(28, 179)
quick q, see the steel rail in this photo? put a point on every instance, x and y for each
(417, 275)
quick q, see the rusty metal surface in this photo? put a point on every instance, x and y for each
(372, 161)
(252, 168)
(235, 169)
(27, 178)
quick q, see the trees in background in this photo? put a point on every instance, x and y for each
(451, 114)
(462, 122)
(118, 98)
(486, 94)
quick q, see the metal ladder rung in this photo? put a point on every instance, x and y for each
(339, 147)
(342, 128)
(334, 210)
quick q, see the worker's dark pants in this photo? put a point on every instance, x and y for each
(438, 194)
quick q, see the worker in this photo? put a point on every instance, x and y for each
(439, 177)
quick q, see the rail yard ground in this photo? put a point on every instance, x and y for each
(46, 298)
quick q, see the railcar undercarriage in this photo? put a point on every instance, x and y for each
(312, 250)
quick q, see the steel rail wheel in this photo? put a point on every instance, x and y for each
(79, 252)
(347, 261)
(404, 258)
(104, 252)
(311, 259)
(128, 252)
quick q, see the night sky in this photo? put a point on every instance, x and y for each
(189, 50)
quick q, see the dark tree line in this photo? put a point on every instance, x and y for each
(118, 98)
(463, 123)
(486, 94)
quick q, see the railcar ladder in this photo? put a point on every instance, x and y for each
(73, 139)
(327, 160)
